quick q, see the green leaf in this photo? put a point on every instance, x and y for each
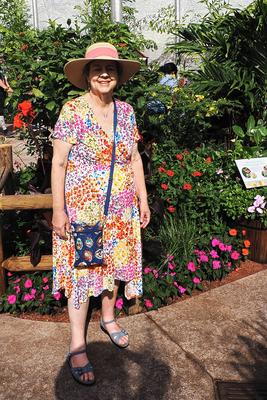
(238, 131)
(37, 93)
(51, 105)
(251, 123)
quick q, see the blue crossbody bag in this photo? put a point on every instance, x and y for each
(88, 239)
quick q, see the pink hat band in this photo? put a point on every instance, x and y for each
(102, 52)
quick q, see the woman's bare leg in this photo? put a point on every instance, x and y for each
(108, 304)
(78, 335)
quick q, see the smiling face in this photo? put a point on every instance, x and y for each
(103, 76)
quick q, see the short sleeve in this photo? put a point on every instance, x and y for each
(65, 125)
(136, 134)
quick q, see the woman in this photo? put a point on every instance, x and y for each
(83, 141)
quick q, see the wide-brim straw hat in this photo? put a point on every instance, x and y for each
(99, 51)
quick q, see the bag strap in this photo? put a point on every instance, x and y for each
(110, 179)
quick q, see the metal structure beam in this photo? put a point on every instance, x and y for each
(116, 10)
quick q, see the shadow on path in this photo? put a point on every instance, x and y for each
(120, 375)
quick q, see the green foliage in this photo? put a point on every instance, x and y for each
(233, 59)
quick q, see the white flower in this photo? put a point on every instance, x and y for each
(219, 171)
(260, 210)
(251, 209)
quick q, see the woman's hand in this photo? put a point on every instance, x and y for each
(144, 213)
(61, 225)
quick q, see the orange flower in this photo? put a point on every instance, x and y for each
(18, 122)
(245, 252)
(208, 160)
(187, 186)
(161, 169)
(179, 157)
(247, 243)
(197, 173)
(170, 173)
(233, 232)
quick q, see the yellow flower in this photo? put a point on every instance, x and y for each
(199, 97)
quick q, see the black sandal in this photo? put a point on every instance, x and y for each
(77, 372)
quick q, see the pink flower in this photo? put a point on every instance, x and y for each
(181, 289)
(196, 280)
(46, 287)
(17, 289)
(28, 283)
(229, 248)
(222, 247)
(215, 242)
(172, 273)
(11, 299)
(119, 303)
(229, 264)
(148, 303)
(147, 270)
(216, 264)
(33, 291)
(171, 265)
(203, 258)
(191, 266)
(170, 257)
(17, 280)
(9, 273)
(235, 255)
(58, 295)
(155, 273)
(45, 279)
(214, 254)
(27, 297)
(42, 296)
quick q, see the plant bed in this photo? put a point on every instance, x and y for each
(246, 268)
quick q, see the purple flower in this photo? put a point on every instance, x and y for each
(216, 264)
(215, 242)
(214, 254)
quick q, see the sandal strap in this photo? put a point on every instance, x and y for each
(116, 336)
(82, 370)
(107, 322)
(76, 353)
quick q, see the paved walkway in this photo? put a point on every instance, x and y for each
(176, 353)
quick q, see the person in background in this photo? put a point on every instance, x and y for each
(5, 90)
(170, 75)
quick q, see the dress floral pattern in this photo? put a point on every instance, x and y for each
(85, 189)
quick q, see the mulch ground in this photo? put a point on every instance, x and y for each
(246, 268)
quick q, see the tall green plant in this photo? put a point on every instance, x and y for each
(231, 44)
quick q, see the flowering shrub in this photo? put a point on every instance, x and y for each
(30, 292)
(176, 276)
(258, 206)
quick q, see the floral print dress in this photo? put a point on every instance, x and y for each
(86, 184)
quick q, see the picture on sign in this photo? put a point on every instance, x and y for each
(253, 171)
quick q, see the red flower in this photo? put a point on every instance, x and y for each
(26, 108)
(179, 157)
(164, 186)
(170, 173)
(187, 186)
(208, 160)
(17, 122)
(161, 169)
(171, 209)
(197, 173)
(232, 232)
